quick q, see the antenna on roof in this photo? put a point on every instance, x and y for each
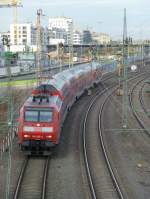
(41, 98)
(33, 99)
(47, 99)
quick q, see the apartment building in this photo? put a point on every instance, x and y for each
(63, 24)
(23, 36)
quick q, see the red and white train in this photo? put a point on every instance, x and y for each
(42, 115)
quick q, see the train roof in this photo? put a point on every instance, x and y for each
(44, 103)
(77, 70)
(65, 76)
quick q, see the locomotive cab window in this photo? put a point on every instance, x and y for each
(45, 116)
(31, 116)
(38, 115)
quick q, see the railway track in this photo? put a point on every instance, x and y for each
(141, 99)
(111, 185)
(109, 192)
(143, 116)
(32, 179)
(16, 188)
(27, 191)
(25, 183)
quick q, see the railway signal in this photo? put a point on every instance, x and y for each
(133, 68)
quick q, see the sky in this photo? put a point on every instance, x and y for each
(97, 15)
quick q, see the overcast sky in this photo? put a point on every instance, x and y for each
(97, 15)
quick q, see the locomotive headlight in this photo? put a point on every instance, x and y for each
(28, 129)
(49, 136)
(47, 129)
(26, 136)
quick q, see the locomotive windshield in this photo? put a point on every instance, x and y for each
(38, 115)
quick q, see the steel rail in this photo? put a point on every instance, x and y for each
(88, 170)
(45, 178)
(134, 112)
(109, 165)
(21, 177)
(17, 190)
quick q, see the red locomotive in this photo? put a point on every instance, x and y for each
(42, 115)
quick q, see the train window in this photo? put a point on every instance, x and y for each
(31, 116)
(45, 116)
(59, 102)
(59, 84)
(37, 115)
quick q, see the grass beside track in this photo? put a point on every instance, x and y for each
(18, 83)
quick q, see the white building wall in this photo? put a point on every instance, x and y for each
(21, 33)
(62, 23)
(102, 38)
(2, 61)
(77, 38)
(29, 29)
(22, 48)
(26, 37)
(56, 41)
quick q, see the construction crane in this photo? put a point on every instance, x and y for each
(9, 4)
(12, 4)
(40, 46)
